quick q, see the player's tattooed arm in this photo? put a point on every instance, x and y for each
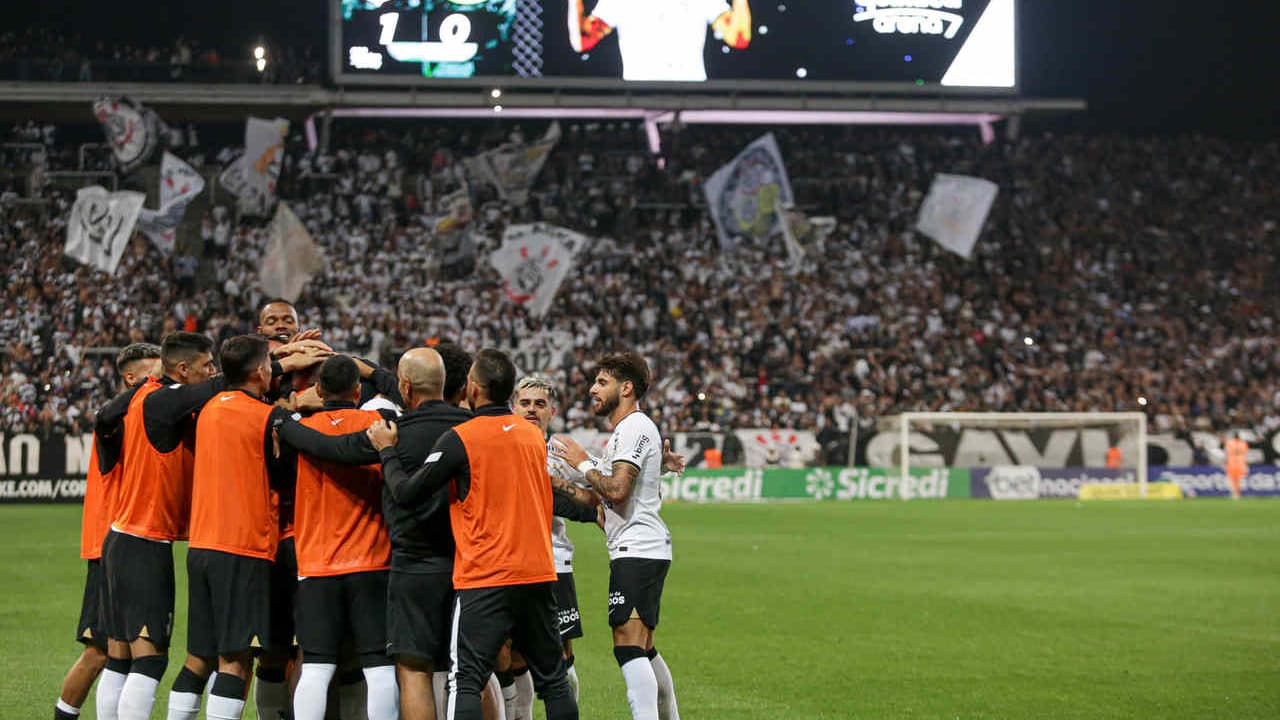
(616, 487)
(576, 493)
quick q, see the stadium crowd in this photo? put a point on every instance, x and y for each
(42, 54)
(1114, 273)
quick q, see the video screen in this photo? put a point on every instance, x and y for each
(963, 43)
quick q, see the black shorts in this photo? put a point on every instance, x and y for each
(635, 590)
(229, 603)
(484, 618)
(284, 591)
(92, 629)
(140, 588)
(567, 615)
(419, 607)
(343, 607)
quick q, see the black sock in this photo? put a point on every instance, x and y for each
(189, 682)
(153, 666)
(228, 686)
(59, 714)
(651, 653)
(120, 665)
(568, 662)
(506, 678)
(269, 674)
(626, 653)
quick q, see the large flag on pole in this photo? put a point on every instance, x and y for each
(100, 226)
(292, 257)
(512, 168)
(132, 131)
(252, 177)
(179, 185)
(746, 197)
(955, 210)
(533, 261)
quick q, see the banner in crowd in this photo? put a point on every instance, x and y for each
(291, 257)
(43, 469)
(252, 176)
(815, 484)
(179, 185)
(746, 197)
(512, 168)
(101, 225)
(533, 261)
(955, 210)
(541, 352)
(132, 131)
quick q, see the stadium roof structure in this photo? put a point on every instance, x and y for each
(213, 102)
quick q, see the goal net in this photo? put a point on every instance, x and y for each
(1025, 445)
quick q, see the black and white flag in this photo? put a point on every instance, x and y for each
(100, 226)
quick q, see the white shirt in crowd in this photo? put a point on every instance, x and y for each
(661, 39)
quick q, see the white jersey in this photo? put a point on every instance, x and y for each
(561, 545)
(634, 529)
(661, 39)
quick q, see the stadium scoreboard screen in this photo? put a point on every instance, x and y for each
(775, 45)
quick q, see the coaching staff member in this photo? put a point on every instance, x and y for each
(503, 569)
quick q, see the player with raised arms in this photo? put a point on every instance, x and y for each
(661, 40)
(638, 540)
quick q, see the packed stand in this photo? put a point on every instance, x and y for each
(1112, 269)
(36, 54)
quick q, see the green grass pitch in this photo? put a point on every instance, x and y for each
(962, 609)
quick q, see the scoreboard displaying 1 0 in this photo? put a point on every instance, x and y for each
(743, 44)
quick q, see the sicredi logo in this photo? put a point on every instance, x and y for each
(1014, 482)
(910, 17)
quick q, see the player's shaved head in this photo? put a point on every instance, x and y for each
(423, 370)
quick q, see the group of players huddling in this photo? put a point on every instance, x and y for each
(379, 544)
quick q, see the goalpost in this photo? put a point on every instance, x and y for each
(1126, 430)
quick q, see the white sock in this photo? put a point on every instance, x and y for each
(642, 689)
(384, 694)
(224, 708)
(524, 697)
(137, 696)
(572, 674)
(667, 709)
(440, 692)
(510, 696)
(183, 706)
(107, 700)
(312, 694)
(270, 698)
(68, 709)
(494, 689)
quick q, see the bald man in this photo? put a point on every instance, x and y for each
(420, 589)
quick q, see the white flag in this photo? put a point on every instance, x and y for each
(132, 131)
(512, 168)
(179, 185)
(291, 258)
(955, 210)
(100, 226)
(746, 197)
(252, 177)
(533, 261)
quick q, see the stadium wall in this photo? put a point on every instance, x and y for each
(52, 468)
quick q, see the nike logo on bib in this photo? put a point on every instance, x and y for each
(335, 422)
(507, 428)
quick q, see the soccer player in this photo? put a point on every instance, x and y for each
(420, 588)
(661, 39)
(152, 510)
(1237, 465)
(503, 570)
(135, 363)
(343, 557)
(234, 525)
(638, 540)
(537, 401)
